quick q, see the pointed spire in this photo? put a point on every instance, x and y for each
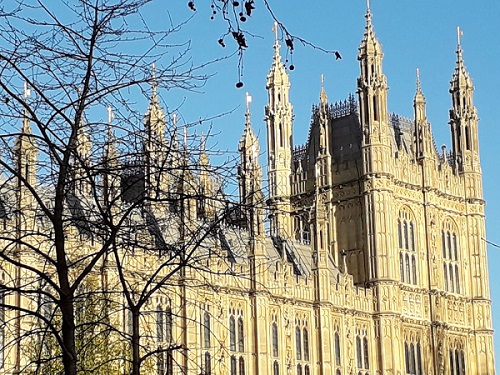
(204, 160)
(26, 127)
(419, 87)
(461, 78)
(370, 43)
(419, 96)
(368, 16)
(154, 84)
(277, 74)
(322, 96)
(110, 152)
(276, 42)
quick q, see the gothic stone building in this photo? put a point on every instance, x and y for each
(373, 261)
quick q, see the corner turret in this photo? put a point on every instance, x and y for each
(463, 117)
(279, 116)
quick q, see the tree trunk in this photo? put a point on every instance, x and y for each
(136, 360)
(69, 355)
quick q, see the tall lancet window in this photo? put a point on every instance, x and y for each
(451, 266)
(408, 256)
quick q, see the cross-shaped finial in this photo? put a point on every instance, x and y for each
(460, 33)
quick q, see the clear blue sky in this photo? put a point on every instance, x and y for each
(413, 34)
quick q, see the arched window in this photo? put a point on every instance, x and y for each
(159, 323)
(457, 280)
(208, 364)
(419, 360)
(366, 356)
(233, 365)
(206, 330)
(400, 234)
(241, 335)
(445, 267)
(452, 362)
(412, 359)
(299, 369)
(414, 269)
(412, 238)
(298, 344)
(359, 354)
(242, 366)
(337, 349)
(168, 325)
(443, 244)
(232, 334)
(407, 278)
(307, 371)
(338, 372)
(276, 368)
(452, 279)
(402, 266)
(375, 108)
(275, 341)
(405, 233)
(407, 248)
(407, 358)
(455, 245)
(305, 339)
(281, 136)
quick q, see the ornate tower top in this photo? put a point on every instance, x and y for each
(249, 142)
(155, 118)
(419, 96)
(461, 78)
(277, 74)
(370, 44)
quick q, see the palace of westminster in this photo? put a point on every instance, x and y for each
(372, 260)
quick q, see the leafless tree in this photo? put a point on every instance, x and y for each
(79, 196)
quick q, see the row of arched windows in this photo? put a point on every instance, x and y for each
(302, 344)
(362, 353)
(457, 362)
(407, 249)
(164, 336)
(163, 324)
(451, 274)
(236, 334)
(237, 365)
(413, 359)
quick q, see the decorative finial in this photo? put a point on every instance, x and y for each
(174, 120)
(154, 84)
(275, 29)
(203, 143)
(27, 91)
(322, 96)
(368, 5)
(247, 113)
(248, 101)
(111, 115)
(185, 137)
(419, 87)
(460, 33)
